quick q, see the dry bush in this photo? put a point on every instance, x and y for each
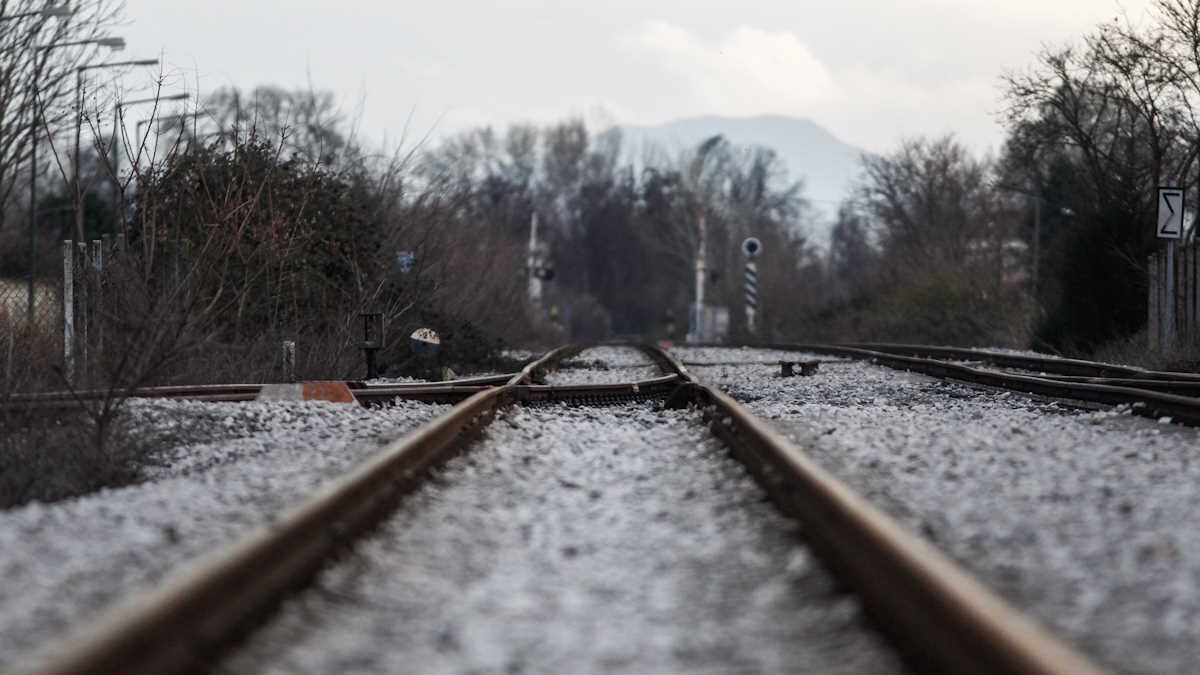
(1133, 350)
(47, 459)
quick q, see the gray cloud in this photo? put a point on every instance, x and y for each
(869, 71)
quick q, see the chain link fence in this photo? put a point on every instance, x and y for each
(46, 334)
(23, 306)
(30, 327)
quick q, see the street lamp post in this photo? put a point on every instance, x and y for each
(35, 117)
(46, 13)
(160, 120)
(79, 234)
(118, 122)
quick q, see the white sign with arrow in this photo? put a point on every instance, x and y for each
(1170, 213)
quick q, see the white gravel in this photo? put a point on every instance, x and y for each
(605, 365)
(577, 540)
(1085, 519)
(224, 468)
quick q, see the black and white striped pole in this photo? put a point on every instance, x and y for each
(751, 247)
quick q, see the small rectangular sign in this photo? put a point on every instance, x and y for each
(1170, 213)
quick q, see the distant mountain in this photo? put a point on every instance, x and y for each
(826, 164)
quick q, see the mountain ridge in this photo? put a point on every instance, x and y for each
(826, 164)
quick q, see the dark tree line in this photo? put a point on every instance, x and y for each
(1095, 128)
(1046, 245)
(623, 237)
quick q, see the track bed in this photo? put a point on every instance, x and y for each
(1084, 518)
(223, 468)
(607, 539)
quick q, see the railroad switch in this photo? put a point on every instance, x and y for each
(372, 340)
(807, 368)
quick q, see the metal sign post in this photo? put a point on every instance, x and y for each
(406, 261)
(751, 247)
(1170, 227)
(535, 282)
(698, 334)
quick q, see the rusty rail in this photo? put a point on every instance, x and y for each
(1153, 403)
(179, 624)
(1037, 364)
(944, 619)
(942, 616)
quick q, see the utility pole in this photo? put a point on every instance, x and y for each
(33, 171)
(535, 283)
(698, 333)
(1037, 242)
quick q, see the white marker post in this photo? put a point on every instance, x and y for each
(751, 247)
(535, 284)
(1170, 227)
(699, 334)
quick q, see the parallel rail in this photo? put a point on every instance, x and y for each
(179, 625)
(943, 617)
(449, 391)
(1166, 399)
(1037, 364)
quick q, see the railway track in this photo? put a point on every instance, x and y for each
(1153, 394)
(940, 616)
(368, 394)
(1032, 363)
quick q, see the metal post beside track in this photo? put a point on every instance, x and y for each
(751, 295)
(68, 250)
(751, 247)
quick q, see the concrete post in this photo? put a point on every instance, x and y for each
(68, 250)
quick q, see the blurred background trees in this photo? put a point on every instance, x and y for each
(1042, 245)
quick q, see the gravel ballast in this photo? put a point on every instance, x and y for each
(583, 540)
(604, 365)
(224, 468)
(1085, 519)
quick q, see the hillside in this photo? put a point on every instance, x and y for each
(825, 163)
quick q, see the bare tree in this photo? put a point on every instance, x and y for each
(309, 122)
(30, 73)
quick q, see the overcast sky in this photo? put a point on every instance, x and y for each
(869, 71)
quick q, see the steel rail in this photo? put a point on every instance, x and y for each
(582, 393)
(170, 391)
(449, 391)
(944, 616)
(236, 392)
(945, 619)
(1144, 402)
(1041, 364)
(477, 381)
(1189, 388)
(178, 625)
(535, 371)
(658, 387)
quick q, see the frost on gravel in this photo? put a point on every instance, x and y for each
(605, 365)
(577, 540)
(1086, 519)
(224, 468)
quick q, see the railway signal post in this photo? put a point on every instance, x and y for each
(751, 248)
(1170, 227)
